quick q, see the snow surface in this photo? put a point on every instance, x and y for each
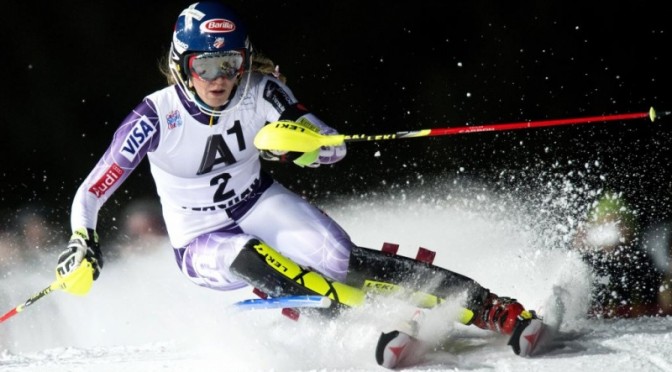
(142, 315)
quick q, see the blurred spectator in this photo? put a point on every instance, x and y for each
(25, 236)
(143, 229)
(626, 282)
(35, 231)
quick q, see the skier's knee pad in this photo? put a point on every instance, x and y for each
(266, 269)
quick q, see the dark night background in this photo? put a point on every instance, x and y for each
(74, 69)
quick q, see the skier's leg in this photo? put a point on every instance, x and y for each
(370, 268)
(282, 245)
(227, 260)
(373, 269)
(300, 231)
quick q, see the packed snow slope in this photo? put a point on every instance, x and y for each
(142, 315)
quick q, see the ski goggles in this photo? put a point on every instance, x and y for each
(210, 66)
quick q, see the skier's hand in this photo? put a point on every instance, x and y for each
(80, 263)
(273, 155)
(313, 158)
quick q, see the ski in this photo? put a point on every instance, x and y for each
(301, 301)
(397, 349)
(530, 337)
(536, 336)
(402, 347)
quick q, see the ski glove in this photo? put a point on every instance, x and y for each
(83, 247)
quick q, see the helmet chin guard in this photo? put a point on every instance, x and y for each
(206, 27)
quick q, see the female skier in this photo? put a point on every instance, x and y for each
(231, 225)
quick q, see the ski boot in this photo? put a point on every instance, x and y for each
(507, 316)
(499, 314)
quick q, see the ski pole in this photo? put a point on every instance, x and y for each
(291, 136)
(53, 286)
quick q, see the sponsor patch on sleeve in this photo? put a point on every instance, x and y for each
(108, 179)
(137, 137)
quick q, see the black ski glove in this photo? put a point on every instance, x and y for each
(83, 245)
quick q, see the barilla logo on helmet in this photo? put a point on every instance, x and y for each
(217, 25)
